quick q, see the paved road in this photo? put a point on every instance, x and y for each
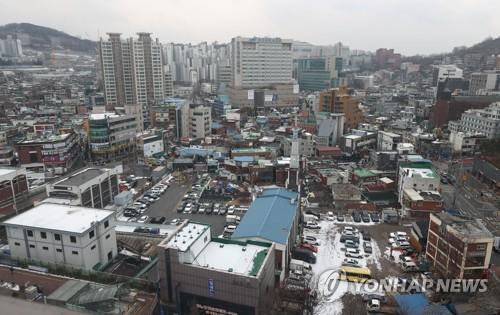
(167, 205)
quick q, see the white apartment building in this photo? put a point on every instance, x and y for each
(72, 236)
(484, 82)
(259, 62)
(485, 121)
(387, 141)
(200, 118)
(330, 130)
(443, 72)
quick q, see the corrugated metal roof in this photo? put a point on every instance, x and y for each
(270, 216)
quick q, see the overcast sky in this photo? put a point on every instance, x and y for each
(408, 26)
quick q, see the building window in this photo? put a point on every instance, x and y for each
(106, 223)
(74, 252)
(481, 247)
(30, 233)
(59, 250)
(93, 247)
(91, 234)
(107, 236)
(57, 237)
(17, 244)
(43, 235)
(32, 246)
(45, 248)
(72, 239)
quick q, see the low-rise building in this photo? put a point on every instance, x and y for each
(344, 194)
(91, 187)
(56, 153)
(13, 189)
(75, 237)
(273, 217)
(201, 274)
(357, 141)
(388, 141)
(459, 247)
(421, 203)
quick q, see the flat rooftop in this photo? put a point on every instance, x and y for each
(233, 256)
(467, 226)
(81, 177)
(421, 172)
(7, 171)
(59, 218)
(187, 235)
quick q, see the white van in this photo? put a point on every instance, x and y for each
(409, 266)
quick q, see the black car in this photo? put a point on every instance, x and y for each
(304, 255)
(365, 217)
(367, 247)
(375, 217)
(356, 217)
(366, 235)
(353, 238)
(157, 220)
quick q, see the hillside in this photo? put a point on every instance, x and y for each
(490, 46)
(44, 38)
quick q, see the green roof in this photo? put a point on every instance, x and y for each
(258, 260)
(363, 172)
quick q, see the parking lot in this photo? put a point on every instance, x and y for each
(171, 201)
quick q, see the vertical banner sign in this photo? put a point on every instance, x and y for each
(211, 287)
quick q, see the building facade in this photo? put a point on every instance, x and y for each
(13, 189)
(200, 119)
(459, 247)
(338, 100)
(91, 188)
(58, 234)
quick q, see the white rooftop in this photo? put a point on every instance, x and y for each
(59, 217)
(413, 194)
(229, 257)
(187, 236)
(6, 171)
(422, 172)
(386, 180)
(103, 115)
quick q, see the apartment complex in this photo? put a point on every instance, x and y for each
(91, 188)
(111, 136)
(338, 100)
(459, 247)
(58, 234)
(13, 189)
(201, 274)
(56, 153)
(132, 71)
(485, 121)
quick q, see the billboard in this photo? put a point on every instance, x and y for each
(295, 89)
(268, 98)
(250, 94)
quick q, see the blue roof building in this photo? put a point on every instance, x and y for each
(272, 216)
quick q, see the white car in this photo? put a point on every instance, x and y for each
(351, 229)
(310, 240)
(330, 216)
(312, 225)
(392, 241)
(396, 234)
(350, 262)
(143, 219)
(139, 205)
(230, 210)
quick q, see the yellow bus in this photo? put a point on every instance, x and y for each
(355, 274)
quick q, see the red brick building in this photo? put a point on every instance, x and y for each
(445, 110)
(421, 203)
(13, 189)
(55, 151)
(459, 247)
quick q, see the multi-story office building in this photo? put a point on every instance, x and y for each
(200, 121)
(338, 100)
(258, 62)
(443, 72)
(262, 72)
(459, 247)
(132, 71)
(13, 189)
(201, 274)
(330, 130)
(484, 82)
(313, 74)
(91, 187)
(75, 237)
(56, 153)
(111, 136)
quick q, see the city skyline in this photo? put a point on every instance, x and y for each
(432, 27)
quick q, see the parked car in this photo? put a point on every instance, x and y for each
(330, 216)
(350, 262)
(304, 255)
(312, 225)
(222, 210)
(310, 240)
(367, 247)
(375, 217)
(396, 234)
(353, 255)
(309, 247)
(356, 217)
(350, 230)
(340, 218)
(365, 217)
(366, 235)
(351, 244)
(158, 220)
(231, 209)
(175, 221)
(143, 219)
(144, 201)
(139, 205)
